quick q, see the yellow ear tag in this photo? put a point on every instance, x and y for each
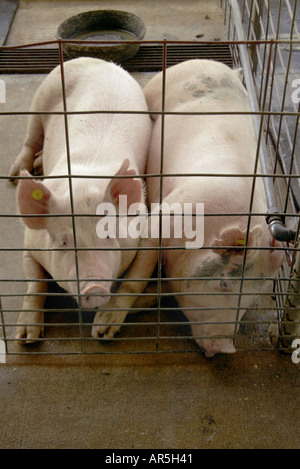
(241, 242)
(37, 194)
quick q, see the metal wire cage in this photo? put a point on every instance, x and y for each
(264, 41)
(271, 66)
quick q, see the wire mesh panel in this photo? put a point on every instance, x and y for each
(263, 40)
(272, 65)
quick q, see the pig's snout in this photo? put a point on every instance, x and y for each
(94, 296)
(211, 350)
(212, 346)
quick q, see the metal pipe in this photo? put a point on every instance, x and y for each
(279, 231)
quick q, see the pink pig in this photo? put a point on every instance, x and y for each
(222, 145)
(100, 145)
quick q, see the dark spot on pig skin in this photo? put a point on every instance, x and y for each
(199, 93)
(192, 87)
(209, 82)
(236, 272)
(212, 267)
(218, 266)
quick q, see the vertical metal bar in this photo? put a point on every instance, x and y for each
(250, 20)
(159, 267)
(61, 61)
(3, 326)
(274, 65)
(266, 31)
(290, 12)
(256, 164)
(224, 5)
(229, 21)
(257, 12)
(293, 159)
(285, 85)
(243, 10)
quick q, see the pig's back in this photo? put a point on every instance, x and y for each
(92, 85)
(90, 82)
(195, 80)
(204, 144)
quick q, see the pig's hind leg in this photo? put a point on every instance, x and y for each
(30, 322)
(31, 150)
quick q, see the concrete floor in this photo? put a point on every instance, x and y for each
(250, 400)
(38, 20)
(131, 400)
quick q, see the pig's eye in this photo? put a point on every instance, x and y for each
(64, 241)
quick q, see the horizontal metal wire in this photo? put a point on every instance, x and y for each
(150, 295)
(153, 309)
(133, 352)
(138, 248)
(159, 175)
(163, 42)
(149, 323)
(158, 248)
(149, 280)
(130, 339)
(159, 214)
(160, 113)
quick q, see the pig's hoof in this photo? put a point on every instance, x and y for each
(106, 332)
(29, 334)
(103, 327)
(13, 172)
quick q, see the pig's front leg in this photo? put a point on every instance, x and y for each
(141, 268)
(38, 164)
(30, 322)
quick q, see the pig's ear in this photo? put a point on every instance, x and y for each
(130, 187)
(235, 240)
(33, 198)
